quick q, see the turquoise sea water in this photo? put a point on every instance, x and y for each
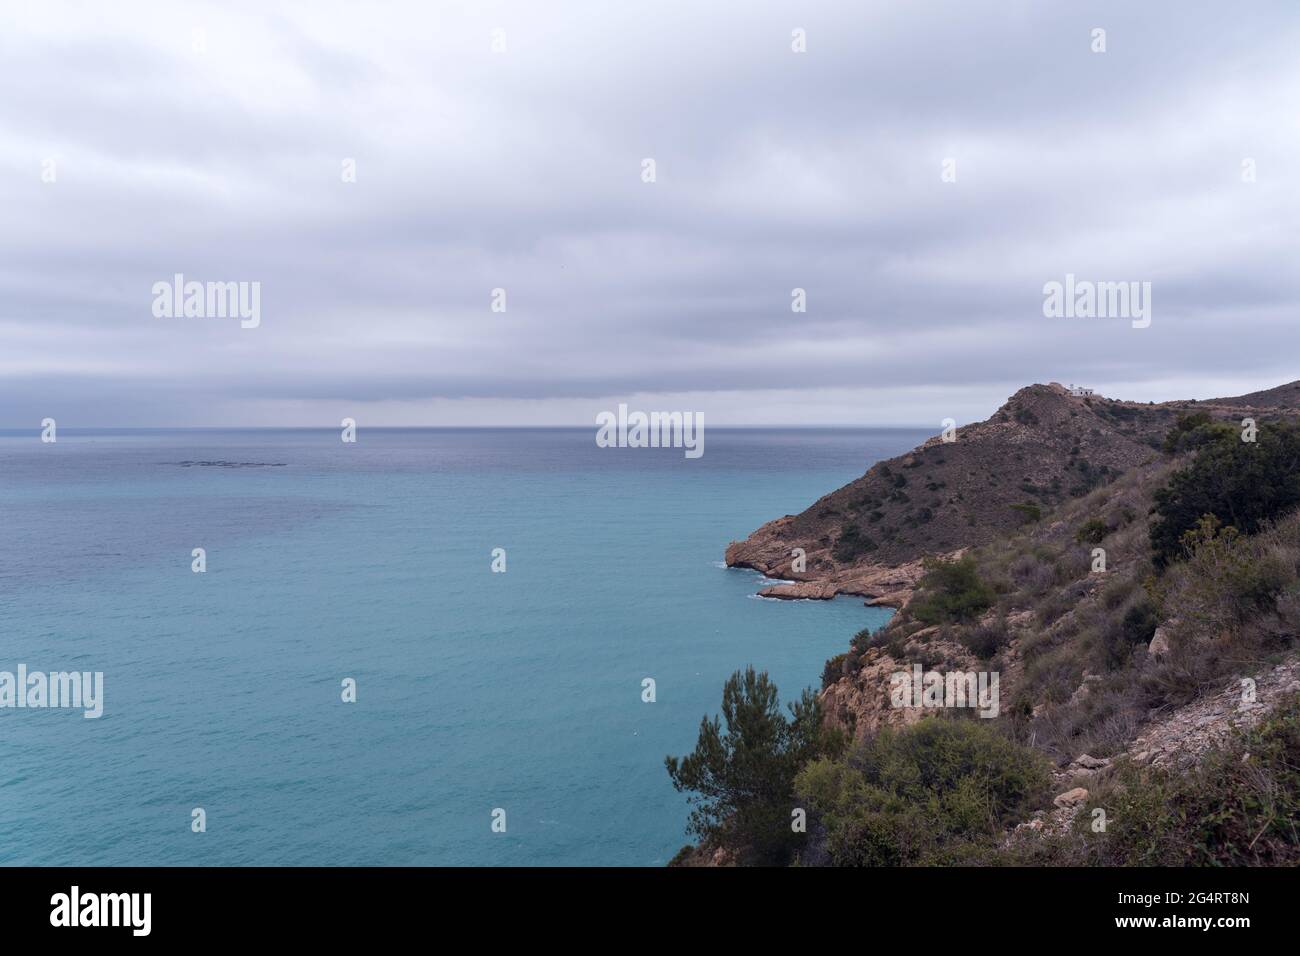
(476, 690)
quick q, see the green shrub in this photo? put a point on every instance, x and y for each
(1029, 511)
(1137, 626)
(1195, 431)
(1242, 484)
(913, 796)
(682, 856)
(834, 669)
(852, 543)
(1227, 579)
(1092, 531)
(866, 639)
(951, 592)
(985, 640)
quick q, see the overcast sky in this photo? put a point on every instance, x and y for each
(209, 140)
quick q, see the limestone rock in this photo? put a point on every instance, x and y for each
(769, 552)
(1180, 738)
(1071, 798)
(1159, 645)
(863, 700)
(1086, 763)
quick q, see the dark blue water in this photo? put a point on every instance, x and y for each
(476, 690)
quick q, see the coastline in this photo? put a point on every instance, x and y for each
(766, 552)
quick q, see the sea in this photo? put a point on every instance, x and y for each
(359, 676)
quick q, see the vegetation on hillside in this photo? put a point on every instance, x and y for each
(951, 591)
(914, 796)
(1041, 450)
(1238, 806)
(1197, 551)
(1242, 484)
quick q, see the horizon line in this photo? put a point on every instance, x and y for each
(6, 429)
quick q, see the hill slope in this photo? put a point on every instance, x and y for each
(1160, 690)
(1042, 448)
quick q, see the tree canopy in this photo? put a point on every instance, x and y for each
(741, 773)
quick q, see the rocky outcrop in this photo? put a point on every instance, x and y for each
(1179, 739)
(862, 701)
(1071, 798)
(1055, 822)
(766, 552)
(1159, 645)
(1086, 764)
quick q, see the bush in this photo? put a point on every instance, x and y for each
(985, 640)
(1032, 573)
(1092, 531)
(683, 856)
(834, 669)
(1195, 431)
(951, 592)
(864, 639)
(1242, 484)
(852, 543)
(912, 796)
(1137, 626)
(1227, 579)
(1029, 511)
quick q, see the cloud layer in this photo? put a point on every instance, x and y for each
(209, 140)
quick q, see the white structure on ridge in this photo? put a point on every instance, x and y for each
(1079, 391)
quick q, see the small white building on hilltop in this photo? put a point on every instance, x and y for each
(1078, 391)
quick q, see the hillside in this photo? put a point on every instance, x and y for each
(1042, 448)
(1129, 574)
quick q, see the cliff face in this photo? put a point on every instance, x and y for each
(1042, 448)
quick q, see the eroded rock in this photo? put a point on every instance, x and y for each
(1071, 798)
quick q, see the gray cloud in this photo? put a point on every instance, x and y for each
(522, 170)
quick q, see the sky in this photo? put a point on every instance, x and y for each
(921, 170)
